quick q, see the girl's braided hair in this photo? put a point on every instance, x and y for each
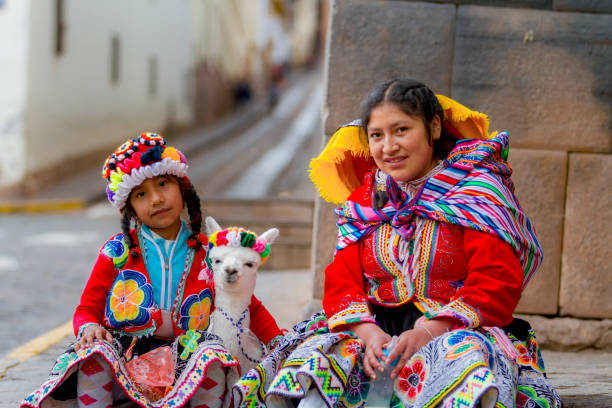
(192, 202)
(415, 99)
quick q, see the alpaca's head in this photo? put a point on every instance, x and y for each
(235, 255)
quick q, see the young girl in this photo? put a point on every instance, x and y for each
(150, 287)
(434, 249)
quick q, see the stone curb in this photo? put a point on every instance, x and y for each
(41, 205)
(571, 334)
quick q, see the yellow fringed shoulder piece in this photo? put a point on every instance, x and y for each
(340, 167)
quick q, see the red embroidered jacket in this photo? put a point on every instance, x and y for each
(119, 296)
(464, 274)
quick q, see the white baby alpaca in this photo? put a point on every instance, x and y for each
(234, 272)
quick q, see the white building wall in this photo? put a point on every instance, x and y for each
(73, 106)
(13, 83)
(226, 33)
(304, 33)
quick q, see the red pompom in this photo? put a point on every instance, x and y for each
(192, 243)
(221, 238)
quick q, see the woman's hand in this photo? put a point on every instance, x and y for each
(91, 335)
(411, 341)
(374, 339)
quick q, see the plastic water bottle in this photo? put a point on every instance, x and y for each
(381, 389)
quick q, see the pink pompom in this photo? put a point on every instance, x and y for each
(260, 245)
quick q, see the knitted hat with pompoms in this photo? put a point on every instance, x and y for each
(137, 160)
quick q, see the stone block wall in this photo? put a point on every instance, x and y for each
(541, 70)
(586, 278)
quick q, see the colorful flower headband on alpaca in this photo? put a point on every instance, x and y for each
(239, 237)
(137, 160)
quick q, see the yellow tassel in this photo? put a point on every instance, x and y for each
(469, 124)
(336, 171)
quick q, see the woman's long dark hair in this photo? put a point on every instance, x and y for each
(415, 99)
(192, 202)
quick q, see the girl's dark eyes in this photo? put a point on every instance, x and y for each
(162, 183)
(139, 194)
(374, 135)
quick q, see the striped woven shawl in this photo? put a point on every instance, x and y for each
(473, 190)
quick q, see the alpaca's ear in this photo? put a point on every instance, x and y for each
(212, 225)
(270, 235)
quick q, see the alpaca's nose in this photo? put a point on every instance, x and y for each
(231, 275)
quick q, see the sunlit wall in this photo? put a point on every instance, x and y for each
(101, 72)
(13, 80)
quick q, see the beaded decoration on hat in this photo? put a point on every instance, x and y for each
(239, 237)
(137, 160)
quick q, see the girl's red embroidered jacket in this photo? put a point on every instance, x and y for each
(463, 274)
(119, 296)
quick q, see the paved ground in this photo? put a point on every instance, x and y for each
(45, 260)
(583, 379)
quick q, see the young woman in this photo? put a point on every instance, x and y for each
(433, 248)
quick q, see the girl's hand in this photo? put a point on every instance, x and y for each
(374, 339)
(91, 335)
(411, 341)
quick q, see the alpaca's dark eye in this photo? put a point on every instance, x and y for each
(217, 261)
(249, 264)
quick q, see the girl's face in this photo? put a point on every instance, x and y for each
(399, 142)
(158, 203)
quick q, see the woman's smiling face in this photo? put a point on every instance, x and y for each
(400, 143)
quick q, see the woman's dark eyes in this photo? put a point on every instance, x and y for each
(374, 135)
(402, 129)
(162, 183)
(139, 194)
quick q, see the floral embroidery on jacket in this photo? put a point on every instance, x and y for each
(195, 311)
(130, 301)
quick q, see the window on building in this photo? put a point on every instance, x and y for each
(115, 59)
(152, 69)
(59, 27)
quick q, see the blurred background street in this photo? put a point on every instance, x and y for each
(236, 85)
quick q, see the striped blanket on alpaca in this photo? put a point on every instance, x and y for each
(473, 190)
